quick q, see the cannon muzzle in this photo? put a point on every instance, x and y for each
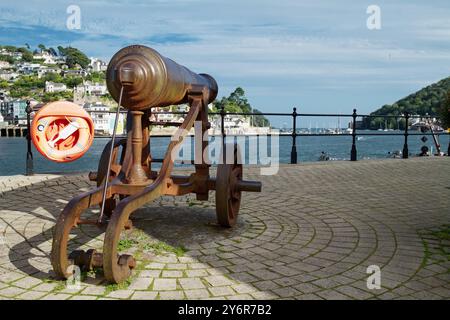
(152, 80)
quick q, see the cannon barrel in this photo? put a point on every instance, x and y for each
(152, 80)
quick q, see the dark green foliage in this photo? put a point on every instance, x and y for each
(7, 58)
(27, 55)
(428, 100)
(259, 120)
(53, 52)
(236, 102)
(55, 96)
(445, 112)
(10, 48)
(71, 82)
(96, 76)
(74, 57)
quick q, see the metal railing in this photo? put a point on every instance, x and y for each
(294, 134)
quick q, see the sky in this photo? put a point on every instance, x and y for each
(319, 56)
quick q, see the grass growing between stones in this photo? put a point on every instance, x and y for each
(436, 244)
(443, 234)
(161, 247)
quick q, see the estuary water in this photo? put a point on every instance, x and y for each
(309, 148)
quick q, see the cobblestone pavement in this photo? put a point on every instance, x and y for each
(311, 234)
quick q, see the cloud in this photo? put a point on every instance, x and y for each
(279, 52)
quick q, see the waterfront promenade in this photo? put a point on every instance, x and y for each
(310, 234)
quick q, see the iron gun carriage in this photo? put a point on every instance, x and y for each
(139, 79)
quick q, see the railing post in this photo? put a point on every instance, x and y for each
(294, 137)
(29, 168)
(448, 149)
(353, 153)
(405, 145)
(222, 130)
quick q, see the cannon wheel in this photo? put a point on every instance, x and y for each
(110, 204)
(228, 197)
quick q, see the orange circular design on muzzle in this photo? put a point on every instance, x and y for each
(62, 131)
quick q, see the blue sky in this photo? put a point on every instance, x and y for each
(316, 55)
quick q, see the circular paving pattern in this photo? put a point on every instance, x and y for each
(311, 234)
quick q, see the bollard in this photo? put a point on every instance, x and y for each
(353, 153)
(294, 137)
(29, 168)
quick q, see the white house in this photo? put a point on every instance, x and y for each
(4, 65)
(43, 70)
(8, 75)
(77, 72)
(54, 87)
(97, 89)
(98, 65)
(104, 120)
(47, 57)
(27, 68)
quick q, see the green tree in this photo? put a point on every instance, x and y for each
(7, 59)
(52, 52)
(4, 84)
(71, 82)
(61, 51)
(95, 76)
(10, 48)
(445, 112)
(27, 55)
(237, 102)
(53, 77)
(74, 57)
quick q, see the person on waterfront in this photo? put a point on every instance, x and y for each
(324, 157)
(424, 152)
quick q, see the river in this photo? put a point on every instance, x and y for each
(309, 148)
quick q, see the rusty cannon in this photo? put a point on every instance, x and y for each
(139, 79)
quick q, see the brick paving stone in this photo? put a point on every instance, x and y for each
(196, 293)
(150, 273)
(243, 288)
(354, 292)
(164, 284)
(240, 297)
(217, 281)
(27, 283)
(307, 287)
(172, 274)
(94, 290)
(332, 295)
(144, 295)
(171, 295)
(286, 292)
(301, 245)
(221, 291)
(155, 265)
(309, 296)
(80, 297)
(196, 273)
(191, 283)
(140, 284)
(121, 294)
(11, 292)
(56, 296)
(31, 295)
